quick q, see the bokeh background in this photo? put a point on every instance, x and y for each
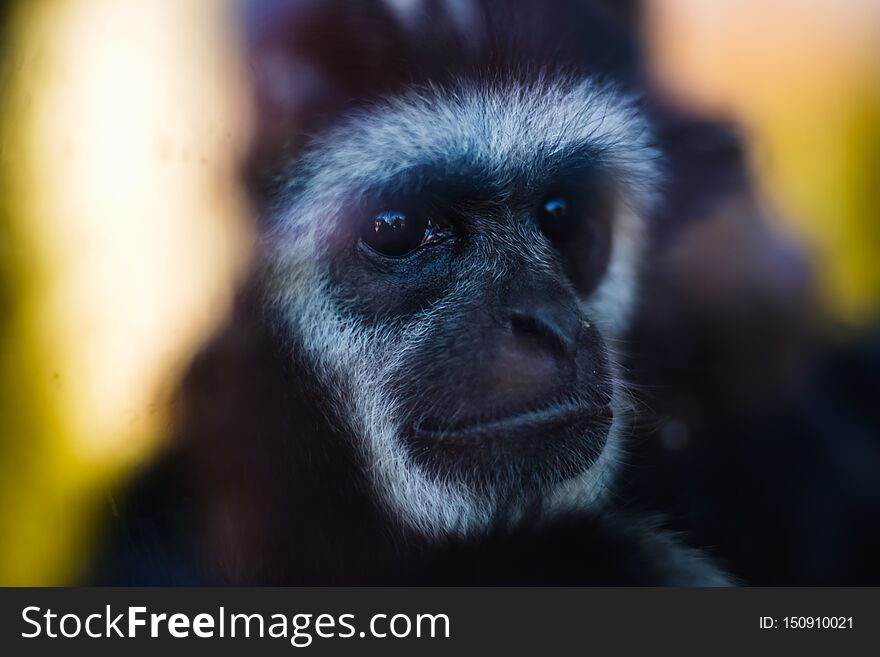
(125, 229)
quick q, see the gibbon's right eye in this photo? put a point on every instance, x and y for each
(395, 233)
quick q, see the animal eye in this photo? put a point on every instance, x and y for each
(395, 233)
(557, 220)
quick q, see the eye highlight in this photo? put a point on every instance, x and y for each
(395, 233)
(557, 219)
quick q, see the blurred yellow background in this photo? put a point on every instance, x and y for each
(123, 231)
(802, 79)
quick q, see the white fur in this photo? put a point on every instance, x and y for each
(503, 130)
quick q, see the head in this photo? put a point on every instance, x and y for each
(454, 265)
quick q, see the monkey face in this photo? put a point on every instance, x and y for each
(454, 266)
(508, 376)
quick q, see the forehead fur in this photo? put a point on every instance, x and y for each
(505, 131)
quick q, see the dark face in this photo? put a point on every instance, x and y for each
(511, 376)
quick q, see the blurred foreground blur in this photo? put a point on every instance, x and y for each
(124, 226)
(122, 233)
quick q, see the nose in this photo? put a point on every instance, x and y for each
(529, 354)
(532, 354)
(546, 317)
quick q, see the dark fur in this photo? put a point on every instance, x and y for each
(260, 484)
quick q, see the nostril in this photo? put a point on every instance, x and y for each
(526, 324)
(546, 329)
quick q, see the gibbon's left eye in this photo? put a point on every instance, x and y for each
(396, 233)
(557, 219)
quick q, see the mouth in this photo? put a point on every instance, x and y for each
(555, 442)
(521, 429)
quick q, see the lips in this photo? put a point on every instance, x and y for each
(544, 422)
